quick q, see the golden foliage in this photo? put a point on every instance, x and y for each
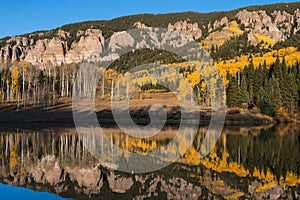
(234, 28)
(290, 54)
(219, 37)
(194, 78)
(184, 90)
(266, 39)
(15, 83)
(13, 152)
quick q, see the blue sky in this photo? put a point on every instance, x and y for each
(21, 16)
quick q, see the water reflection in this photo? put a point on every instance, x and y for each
(246, 162)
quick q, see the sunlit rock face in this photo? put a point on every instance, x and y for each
(56, 50)
(260, 22)
(187, 29)
(91, 43)
(278, 26)
(48, 50)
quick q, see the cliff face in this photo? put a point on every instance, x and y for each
(67, 169)
(48, 175)
(55, 50)
(187, 29)
(61, 47)
(278, 26)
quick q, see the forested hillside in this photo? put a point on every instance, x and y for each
(272, 89)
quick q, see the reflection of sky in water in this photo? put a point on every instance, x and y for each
(13, 192)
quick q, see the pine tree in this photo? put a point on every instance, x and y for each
(275, 94)
(258, 82)
(250, 81)
(243, 92)
(297, 83)
(291, 94)
(265, 99)
(276, 69)
(232, 93)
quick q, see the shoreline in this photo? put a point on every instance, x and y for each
(61, 114)
(63, 117)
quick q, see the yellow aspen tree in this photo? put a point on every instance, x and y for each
(15, 84)
(13, 152)
(194, 78)
(183, 90)
(102, 78)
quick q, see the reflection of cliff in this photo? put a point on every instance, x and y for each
(47, 158)
(240, 166)
(58, 163)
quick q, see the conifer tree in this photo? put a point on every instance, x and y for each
(258, 82)
(232, 93)
(243, 92)
(250, 81)
(276, 69)
(275, 94)
(264, 102)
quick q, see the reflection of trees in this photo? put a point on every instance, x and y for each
(27, 85)
(275, 150)
(58, 163)
(21, 148)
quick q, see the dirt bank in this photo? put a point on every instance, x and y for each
(61, 113)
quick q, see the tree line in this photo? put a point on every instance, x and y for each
(272, 89)
(269, 89)
(24, 84)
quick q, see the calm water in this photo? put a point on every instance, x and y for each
(246, 162)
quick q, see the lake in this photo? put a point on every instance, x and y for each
(246, 162)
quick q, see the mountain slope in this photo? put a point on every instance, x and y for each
(73, 43)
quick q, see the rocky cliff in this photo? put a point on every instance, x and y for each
(54, 50)
(278, 26)
(67, 46)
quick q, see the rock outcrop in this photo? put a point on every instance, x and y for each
(140, 25)
(278, 26)
(48, 50)
(55, 50)
(119, 184)
(187, 29)
(217, 24)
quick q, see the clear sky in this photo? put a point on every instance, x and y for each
(23, 16)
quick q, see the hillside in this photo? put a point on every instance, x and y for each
(74, 42)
